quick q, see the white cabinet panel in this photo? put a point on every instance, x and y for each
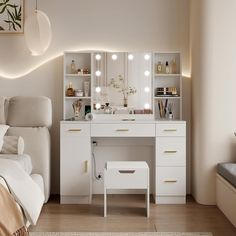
(171, 181)
(75, 160)
(170, 151)
(123, 130)
(170, 130)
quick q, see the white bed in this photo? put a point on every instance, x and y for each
(33, 125)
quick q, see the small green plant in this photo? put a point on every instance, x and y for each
(12, 13)
(119, 83)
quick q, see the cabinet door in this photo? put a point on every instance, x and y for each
(75, 160)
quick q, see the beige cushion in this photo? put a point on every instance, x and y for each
(29, 112)
(13, 145)
(3, 130)
(2, 110)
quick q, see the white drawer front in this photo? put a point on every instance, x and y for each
(123, 130)
(171, 181)
(78, 130)
(170, 151)
(126, 179)
(171, 130)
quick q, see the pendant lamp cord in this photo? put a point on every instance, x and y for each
(36, 7)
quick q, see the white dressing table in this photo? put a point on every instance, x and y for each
(169, 158)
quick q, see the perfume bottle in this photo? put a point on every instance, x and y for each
(107, 109)
(73, 67)
(159, 67)
(173, 66)
(167, 68)
(70, 91)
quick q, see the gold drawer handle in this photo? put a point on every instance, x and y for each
(74, 130)
(126, 171)
(86, 165)
(170, 181)
(170, 151)
(170, 130)
(122, 130)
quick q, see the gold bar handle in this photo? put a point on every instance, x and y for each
(170, 151)
(170, 130)
(86, 166)
(74, 130)
(170, 181)
(122, 130)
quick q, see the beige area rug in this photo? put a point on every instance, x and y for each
(117, 234)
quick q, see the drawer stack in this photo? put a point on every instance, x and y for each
(170, 168)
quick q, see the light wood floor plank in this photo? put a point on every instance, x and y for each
(126, 213)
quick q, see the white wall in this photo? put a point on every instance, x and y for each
(213, 50)
(120, 25)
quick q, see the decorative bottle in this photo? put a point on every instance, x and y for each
(173, 66)
(159, 67)
(70, 91)
(167, 68)
(73, 67)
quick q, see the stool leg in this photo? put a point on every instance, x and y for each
(105, 202)
(148, 201)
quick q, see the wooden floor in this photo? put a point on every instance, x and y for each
(127, 213)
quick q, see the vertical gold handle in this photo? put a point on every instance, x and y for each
(86, 165)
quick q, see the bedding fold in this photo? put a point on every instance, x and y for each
(24, 190)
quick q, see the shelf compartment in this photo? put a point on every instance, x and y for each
(77, 97)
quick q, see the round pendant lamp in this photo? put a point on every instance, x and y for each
(38, 33)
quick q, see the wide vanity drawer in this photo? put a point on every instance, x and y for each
(78, 130)
(170, 151)
(171, 181)
(123, 130)
(126, 179)
(170, 130)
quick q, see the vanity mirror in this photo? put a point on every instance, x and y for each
(137, 85)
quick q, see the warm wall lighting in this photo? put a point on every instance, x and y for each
(147, 106)
(114, 57)
(147, 89)
(38, 33)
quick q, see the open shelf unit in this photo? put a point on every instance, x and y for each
(82, 60)
(165, 81)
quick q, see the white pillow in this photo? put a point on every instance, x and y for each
(3, 130)
(13, 145)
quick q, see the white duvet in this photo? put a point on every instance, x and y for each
(25, 191)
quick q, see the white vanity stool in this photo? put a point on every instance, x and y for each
(126, 175)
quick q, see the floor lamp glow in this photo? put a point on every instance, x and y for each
(38, 33)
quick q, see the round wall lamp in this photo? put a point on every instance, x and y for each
(38, 32)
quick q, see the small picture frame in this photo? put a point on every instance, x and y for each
(11, 16)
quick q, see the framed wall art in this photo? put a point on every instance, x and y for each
(11, 16)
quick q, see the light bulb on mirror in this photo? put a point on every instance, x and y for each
(98, 106)
(114, 57)
(147, 89)
(147, 106)
(98, 89)
(147, 57)
(98, 73)
(147, 73)
(130, 57)
(98, 57)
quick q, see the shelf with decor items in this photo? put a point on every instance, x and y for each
(78, 73)
(167, 85)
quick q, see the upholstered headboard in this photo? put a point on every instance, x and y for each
(30, 117)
